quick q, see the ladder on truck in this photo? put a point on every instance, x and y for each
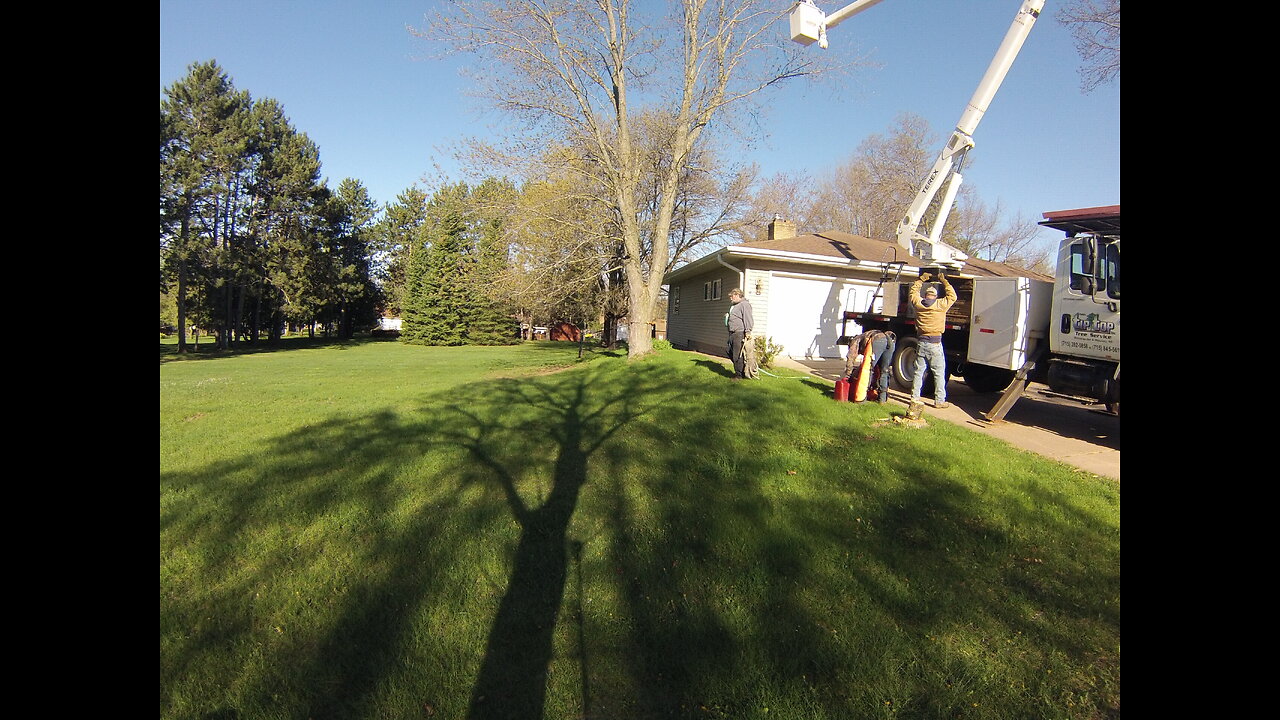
(897, 266)
(888, 267)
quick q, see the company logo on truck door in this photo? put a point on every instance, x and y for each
(1092, 323)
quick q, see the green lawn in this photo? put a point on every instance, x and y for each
(375, 530)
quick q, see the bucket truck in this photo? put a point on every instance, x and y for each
(1003, 331)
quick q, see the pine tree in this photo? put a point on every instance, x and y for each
(203, 139)
(248, 232)
(437, 311)
(491, 321)
(285, 179)
(449, 294)
(398, 233)
(352, 216)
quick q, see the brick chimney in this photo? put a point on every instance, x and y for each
(780, 229)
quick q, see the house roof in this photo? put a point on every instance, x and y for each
(839, 249)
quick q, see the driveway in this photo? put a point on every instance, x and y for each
(1084, 436)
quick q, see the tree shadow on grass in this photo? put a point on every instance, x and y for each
(556, 426)
(741, 581)
(290, 563)
(514, 448)
(659, 559)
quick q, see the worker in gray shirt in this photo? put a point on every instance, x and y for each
(741, 323)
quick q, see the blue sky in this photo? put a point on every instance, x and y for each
(351, 76)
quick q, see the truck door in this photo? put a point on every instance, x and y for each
(1086, 305)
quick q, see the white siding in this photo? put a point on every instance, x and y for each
(788, 300)
(699, 324)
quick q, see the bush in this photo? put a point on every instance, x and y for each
(766, 351)
(659, 345)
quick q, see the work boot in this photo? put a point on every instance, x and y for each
(941, 405)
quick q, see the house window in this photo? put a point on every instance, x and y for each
(706, 291)
(675, 300)
(715, 289)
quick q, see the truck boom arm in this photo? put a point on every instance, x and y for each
(808, 23)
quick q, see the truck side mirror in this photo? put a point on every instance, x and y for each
(1089, 271)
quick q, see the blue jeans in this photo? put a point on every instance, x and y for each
(930, 354)
(882, 355)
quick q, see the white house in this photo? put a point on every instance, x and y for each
(799, 287)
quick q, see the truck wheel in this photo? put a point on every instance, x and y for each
(986, 379)
(904, 363)
(1113, 401)
(904, 367)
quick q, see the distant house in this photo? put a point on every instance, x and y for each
(799, 287)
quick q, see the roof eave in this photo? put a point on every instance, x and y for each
(748, 253)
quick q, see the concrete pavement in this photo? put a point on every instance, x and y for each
(1083, 436)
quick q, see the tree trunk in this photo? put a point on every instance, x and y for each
(239, 313)
(610, 330)
(640, 308)
(257, 317)
(182, 305)
(182, 275)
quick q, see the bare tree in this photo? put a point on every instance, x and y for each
(1095, 28)
(580, 73)
(868, 194)
(983, 233)
(712, 196)
(865, 195)
(567, 252)
(561, 259)
(785, 195)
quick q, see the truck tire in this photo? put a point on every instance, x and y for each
(904, 362)
(904, 367)
(1113, 400)
(987, 379)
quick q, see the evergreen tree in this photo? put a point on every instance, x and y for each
(398, 233)
(436, 313)
(352, 216)
(202, 140)
(284, 188)
(490, 321)
(449, 294)
(249, 235)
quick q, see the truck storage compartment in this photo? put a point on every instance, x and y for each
(1009, 317)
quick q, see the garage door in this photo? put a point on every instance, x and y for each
(805, 314)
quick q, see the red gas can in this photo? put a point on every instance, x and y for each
(842, 390)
